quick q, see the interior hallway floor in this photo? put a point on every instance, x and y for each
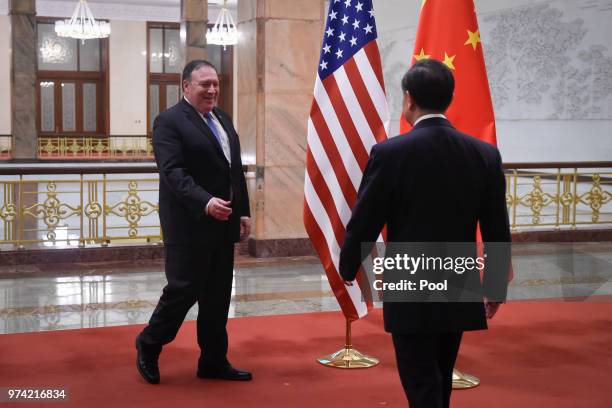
(83, 295)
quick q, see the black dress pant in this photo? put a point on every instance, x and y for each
(194, 274)
(425, 363)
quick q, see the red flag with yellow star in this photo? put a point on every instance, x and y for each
(448, 31)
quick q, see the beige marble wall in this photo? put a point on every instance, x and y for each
(281, 9)
(283, 203)
(246, 88)
(277, 58)
(194, 18)
(5, 76)
(128, 73)
(23, 78)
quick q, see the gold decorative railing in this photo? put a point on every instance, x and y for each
(80, 205)
(65, 208)
(559, 195)
(114, 147)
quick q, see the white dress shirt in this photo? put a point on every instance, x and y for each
(220, 131)
(429, 116)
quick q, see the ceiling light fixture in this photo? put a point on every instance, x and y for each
(82, 24)
(224, 32)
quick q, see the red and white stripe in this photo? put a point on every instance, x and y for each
(349, 115)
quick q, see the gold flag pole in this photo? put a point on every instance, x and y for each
(348, 357)
(463, 381)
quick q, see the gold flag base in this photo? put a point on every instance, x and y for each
(348, 357)
(463, 381)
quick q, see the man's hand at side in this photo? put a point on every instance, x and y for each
(491, 308)
(219, 209)
(245, 228)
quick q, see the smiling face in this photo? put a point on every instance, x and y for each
(202, 90)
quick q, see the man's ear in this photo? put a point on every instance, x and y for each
(407, 106)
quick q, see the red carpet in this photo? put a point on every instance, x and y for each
(536, 354)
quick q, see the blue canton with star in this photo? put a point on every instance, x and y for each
(350, 25)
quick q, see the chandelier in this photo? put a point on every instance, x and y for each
(82, 24)
(224, 32)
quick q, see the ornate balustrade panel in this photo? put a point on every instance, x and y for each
(89, 204)
(562, 197)
(49, 211)
(114, 147)
(78, 209)
(131, 209)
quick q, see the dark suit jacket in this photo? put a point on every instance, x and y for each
(433, 184)
(192, 170)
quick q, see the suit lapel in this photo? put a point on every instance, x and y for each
(197, 120)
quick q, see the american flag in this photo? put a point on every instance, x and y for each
(349, 115)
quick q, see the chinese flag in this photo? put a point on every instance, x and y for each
(448, 31)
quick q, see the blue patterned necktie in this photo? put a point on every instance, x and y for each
(211, 125)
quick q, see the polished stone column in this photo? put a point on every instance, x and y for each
(194, 18)
(24, 66)
(278, 53)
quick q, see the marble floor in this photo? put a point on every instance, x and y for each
(70, 296)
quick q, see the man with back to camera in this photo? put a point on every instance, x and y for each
(433, 184)
(204, 210)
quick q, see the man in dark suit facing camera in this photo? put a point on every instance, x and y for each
(432, 185)
(204, 210)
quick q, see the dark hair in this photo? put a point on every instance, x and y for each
(194, 66)
(431, 85)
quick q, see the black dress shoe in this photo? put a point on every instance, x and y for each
(225, 373)
(146, 365)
